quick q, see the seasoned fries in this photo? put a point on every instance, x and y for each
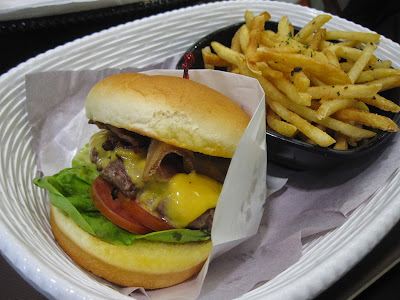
(320, 137)
(319, 84)
(328, 107)
(366, 118)
(311, 27)
(282, 127)
(365, 37)
(361, 62)
(343, 91)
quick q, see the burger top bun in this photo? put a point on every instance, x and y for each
(145, 264)
(174, 110)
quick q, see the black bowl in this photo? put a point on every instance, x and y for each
(294, 153)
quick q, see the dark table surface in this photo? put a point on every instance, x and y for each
(377, 276)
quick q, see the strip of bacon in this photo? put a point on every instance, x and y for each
(131, 139)
(159, 161)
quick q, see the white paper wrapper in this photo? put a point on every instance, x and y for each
(60, 128)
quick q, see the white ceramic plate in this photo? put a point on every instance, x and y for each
(25, 235)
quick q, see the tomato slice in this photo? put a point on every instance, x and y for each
(100, 192)
(144, 216)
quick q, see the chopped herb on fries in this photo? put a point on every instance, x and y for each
(319, 84)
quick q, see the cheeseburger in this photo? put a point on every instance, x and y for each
(137, 205)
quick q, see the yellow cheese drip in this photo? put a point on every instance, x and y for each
(184, 198)
(152, 194)
(104, 157)
(134, 164)
(190, 195)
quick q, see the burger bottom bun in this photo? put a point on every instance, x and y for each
(145, 264)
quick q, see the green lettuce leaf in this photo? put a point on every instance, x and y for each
(82, 158)
(69, 191)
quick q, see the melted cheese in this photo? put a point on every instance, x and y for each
(182, 199)
(188, 196)
(134, 164)
(95, 143)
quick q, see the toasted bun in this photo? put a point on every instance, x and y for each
(145, 264)
(174, 110)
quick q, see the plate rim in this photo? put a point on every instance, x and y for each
(31, 61)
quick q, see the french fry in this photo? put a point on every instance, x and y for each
(341, 141)
(269, 39)
(325, 44)
(300, 80)
(349, 53)
(284, 85)
(376, 74)
(352, 141)
(280, 66)
(259, 21)
(291, 29)
(211, 59)
(320, 137)
(252, 66)
(248, 17)
(256, 28)
(226, 53)
(317, 37)
(270, 90)
(244, 37)
(306, 139)
(365, 37)
(343, 91)
(254, 40)
(379, 64)
(337, 125)
(311, 27)
(328, 107)
(332, 74)
(289, 45)
(381, 103)
(280, 126)
(347, 65)
(331, 56)
(278, 47)
(366, 76)
(387, 83)
(362, 61)
(206, 51)
(315, 81)
(283, 27)
(268, 72)
(366, 118)
(302, 137)
(310, 141)
(235, 43)
(311, 115)
(273, 93)
(354, 44)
